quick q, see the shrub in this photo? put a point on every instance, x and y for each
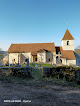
(77, 76)
(60, 72)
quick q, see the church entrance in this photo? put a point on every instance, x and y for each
(35, 58)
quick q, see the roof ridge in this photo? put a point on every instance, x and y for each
(31, 43)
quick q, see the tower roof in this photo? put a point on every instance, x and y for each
(67, 36)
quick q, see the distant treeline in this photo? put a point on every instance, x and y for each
(2, 54)
(77, 51)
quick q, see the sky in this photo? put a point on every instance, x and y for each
(38, 21)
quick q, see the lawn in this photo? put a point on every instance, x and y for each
(38, 64)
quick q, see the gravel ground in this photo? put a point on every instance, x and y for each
(40, 94)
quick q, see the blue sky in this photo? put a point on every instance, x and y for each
(37, 21)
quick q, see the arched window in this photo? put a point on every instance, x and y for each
(67, 42)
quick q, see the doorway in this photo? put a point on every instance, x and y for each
(35, 58)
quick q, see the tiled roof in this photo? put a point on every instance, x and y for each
(68, 54)
(33, 53)
(67, 36)
(42, 50)
(32, 47)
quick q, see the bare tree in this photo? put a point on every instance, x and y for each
(78, 47)
(1, 54)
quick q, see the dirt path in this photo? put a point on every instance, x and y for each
(40, 95)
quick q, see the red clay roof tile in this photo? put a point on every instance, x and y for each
(32, 47)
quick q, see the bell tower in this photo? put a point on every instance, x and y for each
(67, 41)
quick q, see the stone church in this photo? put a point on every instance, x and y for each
(45, 52)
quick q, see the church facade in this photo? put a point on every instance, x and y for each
(45, 52)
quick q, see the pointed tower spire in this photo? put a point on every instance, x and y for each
(67, 36)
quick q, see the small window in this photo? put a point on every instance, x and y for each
(35, 59)
(67, 42)
(25, 60)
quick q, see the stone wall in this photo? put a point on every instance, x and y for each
(22, 57)
(71, 62)
(25, 56)
(54, 57)
(13, 56)
(68, 47)
(49, 57)
(63, 61)
(41, 57)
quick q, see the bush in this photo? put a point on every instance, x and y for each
(22, 72)
(77, 76)
(60, 72)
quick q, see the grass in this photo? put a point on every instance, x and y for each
(38, 64)
(15, 79)
(4, 66)
(37, 74)
(38, 80)
(23, 65)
